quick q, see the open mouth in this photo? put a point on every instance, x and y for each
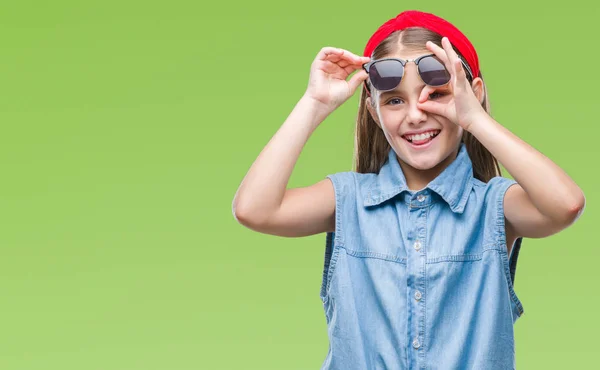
(422, 138)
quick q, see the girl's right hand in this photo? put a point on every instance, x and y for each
(328, 73)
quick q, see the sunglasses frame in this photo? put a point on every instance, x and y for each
(403, 62)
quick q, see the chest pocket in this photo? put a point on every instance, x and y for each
(448, 236)
(376, 232)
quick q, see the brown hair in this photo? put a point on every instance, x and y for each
(371, 147)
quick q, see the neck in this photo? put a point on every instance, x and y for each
(418, 179)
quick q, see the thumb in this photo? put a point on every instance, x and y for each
(357, 79)
(425, 93)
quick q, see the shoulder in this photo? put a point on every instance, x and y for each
(493, 190)
(351, 183)
(493, 195)
(488, 203)
(491, 198)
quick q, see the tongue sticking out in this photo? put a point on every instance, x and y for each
(421, 142)
(422, 139)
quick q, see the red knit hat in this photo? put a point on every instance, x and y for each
(414, 18)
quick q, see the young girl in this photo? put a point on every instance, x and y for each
(423, 237)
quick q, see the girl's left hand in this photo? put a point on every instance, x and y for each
(463, 108)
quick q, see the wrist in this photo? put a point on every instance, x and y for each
(478, 123)
(479, 117)
(315, 106)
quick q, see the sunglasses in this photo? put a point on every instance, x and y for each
(385, 74)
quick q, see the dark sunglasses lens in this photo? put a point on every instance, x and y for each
(433, 72)
(386, 74)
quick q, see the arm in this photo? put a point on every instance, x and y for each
(545, 200)
(262, 201)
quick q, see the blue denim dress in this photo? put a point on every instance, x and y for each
(419, 279)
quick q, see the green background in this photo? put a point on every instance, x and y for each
(127, 126)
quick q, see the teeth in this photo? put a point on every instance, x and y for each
(423, 136)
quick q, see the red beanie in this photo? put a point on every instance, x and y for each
(414, 18)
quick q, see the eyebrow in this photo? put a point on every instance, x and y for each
(391, 92)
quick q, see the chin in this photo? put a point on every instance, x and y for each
(423, 162)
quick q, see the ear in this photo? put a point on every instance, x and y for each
(478, 89)
(372, 110)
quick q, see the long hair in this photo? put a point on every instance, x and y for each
(371, 147)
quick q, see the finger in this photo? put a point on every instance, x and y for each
(457, 68)
(335, 58)
(452, 56)
(352, 58)
(343, 63)
(433, 107)
(357, 79)
(460, 70)
(346, 63)
(328, 51)
(438, 51)
(337, 69)
(336, 61)
(427, 90)
(330, 68)
(441, 54)
(353, 67)
(351, 55)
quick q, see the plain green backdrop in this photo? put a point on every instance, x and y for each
(127, 126)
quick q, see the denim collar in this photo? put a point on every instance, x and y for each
(453, 184)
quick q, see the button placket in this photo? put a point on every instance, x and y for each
(417, 235)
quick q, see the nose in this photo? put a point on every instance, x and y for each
(415, 115)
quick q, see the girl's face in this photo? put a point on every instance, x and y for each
(420, 139)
